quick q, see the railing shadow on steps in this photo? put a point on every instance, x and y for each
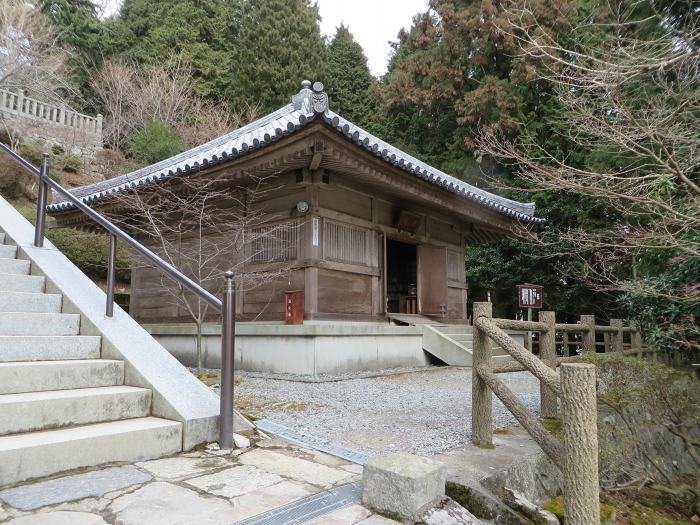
(225, 305)
(576, 454)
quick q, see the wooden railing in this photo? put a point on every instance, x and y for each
(576, 454)
(21, 105)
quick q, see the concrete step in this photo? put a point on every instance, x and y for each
(49, 348)
(26, 456)
(14, 266)
(40, 376)
(33, 411)
(7, 251)
(13, 323)
(21, 283)
(30, 302)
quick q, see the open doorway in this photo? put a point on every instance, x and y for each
(401, 277)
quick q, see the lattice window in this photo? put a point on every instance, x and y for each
(343, 243)
(274, 242)
(455, 266)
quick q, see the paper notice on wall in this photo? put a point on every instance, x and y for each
(314, 231)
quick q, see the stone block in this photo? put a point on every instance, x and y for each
(403, 483)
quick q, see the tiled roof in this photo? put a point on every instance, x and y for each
(306, 106)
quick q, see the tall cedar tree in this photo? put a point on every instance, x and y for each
(81, 32)
(279, 45)
(349, 82)
(198, 32)
(457, 72)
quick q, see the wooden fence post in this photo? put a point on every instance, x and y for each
(548, 355)
(482, 420)
(616, 338)
(588, 337)
(581, 490)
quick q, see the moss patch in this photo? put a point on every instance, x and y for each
(394, 516)
(501, 431)
(458, 493)
(646, 507)
(487, 447)
(553, 425)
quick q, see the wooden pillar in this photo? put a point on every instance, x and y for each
(581, 490)
(588, 336)
(616, 337)
(482, 419)
(548, 355)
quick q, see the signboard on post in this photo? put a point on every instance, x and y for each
(529, 296)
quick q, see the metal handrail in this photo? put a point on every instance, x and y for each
(226, 307)
(115, 230)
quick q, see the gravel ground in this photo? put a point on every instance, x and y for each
(424, 412)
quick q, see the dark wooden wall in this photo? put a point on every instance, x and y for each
(337, 254)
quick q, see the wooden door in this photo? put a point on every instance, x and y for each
(432, 279)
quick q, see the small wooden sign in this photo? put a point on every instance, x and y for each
(408, 222)
(529, 296)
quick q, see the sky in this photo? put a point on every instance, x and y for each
(373, 23)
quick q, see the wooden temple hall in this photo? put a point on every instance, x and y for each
(373, 231)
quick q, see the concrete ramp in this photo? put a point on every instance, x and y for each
(452, 343)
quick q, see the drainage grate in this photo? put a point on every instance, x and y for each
(311, 441)
(309, 508)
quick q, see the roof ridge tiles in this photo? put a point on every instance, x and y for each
(311, 101)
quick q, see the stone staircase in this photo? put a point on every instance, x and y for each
(61, 405)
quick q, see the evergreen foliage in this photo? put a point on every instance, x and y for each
(349, 82)
(279, 44)
(81, 32)
(196, 32)
(155, 142)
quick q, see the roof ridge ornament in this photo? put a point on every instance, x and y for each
(309, 101)
(319, 99)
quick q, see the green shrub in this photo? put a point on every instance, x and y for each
(651, 429)
(70, 163)
(32, 152)
(88, 251)
(155, 142)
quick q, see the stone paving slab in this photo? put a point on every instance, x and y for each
(71, 488)
(295, 468)
(59, 518)
(272, 497)
(180, 467)
(234, 481)
(162, 503)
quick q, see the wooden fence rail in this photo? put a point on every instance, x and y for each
(577, 454)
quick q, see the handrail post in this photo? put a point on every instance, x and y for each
(616, 338)
(482, 418)
(111, 274)
(548, 355)
(588, 336)
(41, 202)
(579, 426)
(228, 333)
